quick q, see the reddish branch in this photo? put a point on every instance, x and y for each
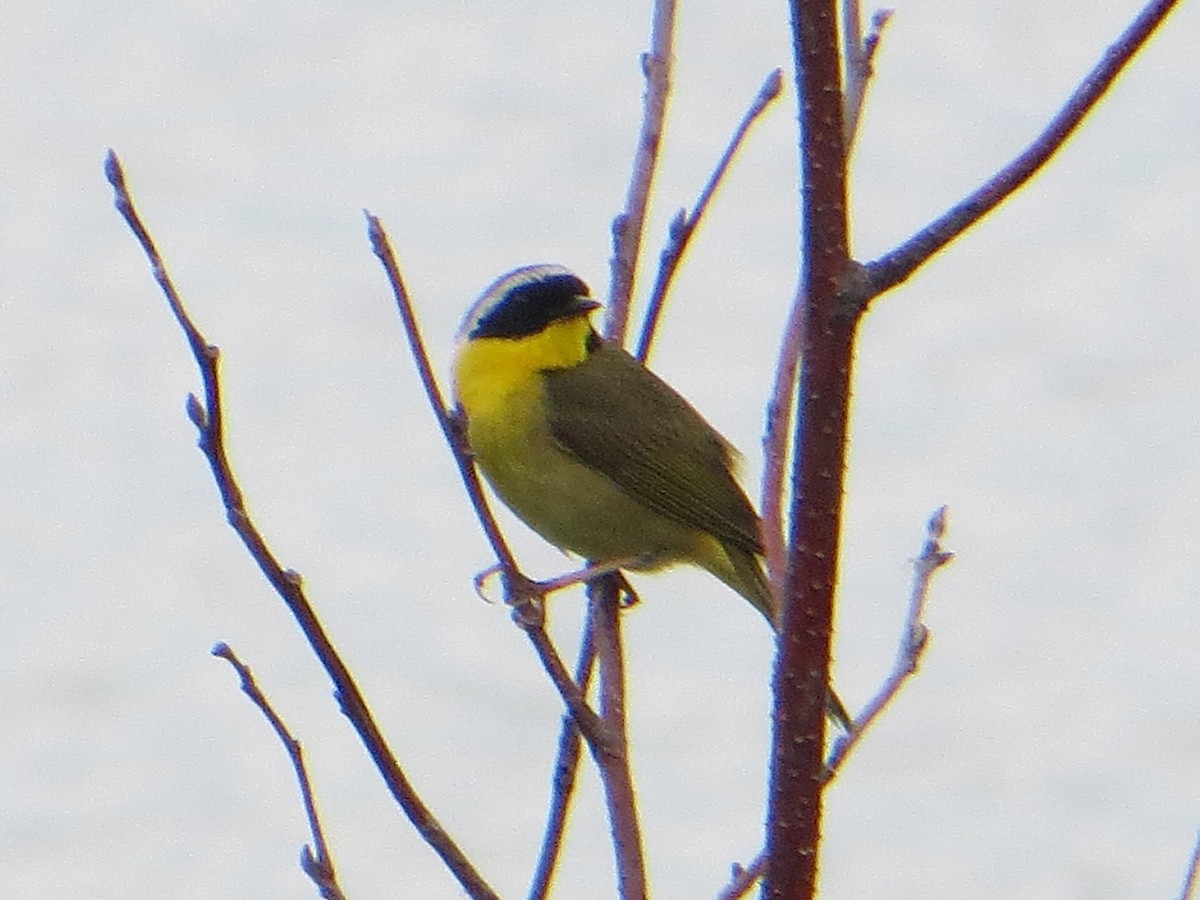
(209, 420)
(802, 667)
(913, 641)
(857, 56)
(894, 267)
(835, 292)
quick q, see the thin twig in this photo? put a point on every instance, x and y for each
(858, 58)
(566, 767)
(319, 865)
(1193, 873)
(852, 64)
(450, 424)
(605, 611)
(913, 641)
(744, 878)
(897, 265)
(524, 595)
(208, 418)
(879, 21)
(776, 442)
(628, 225)
(597, 732)
(684, 225)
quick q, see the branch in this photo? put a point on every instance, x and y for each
(1193, 873)
(912, 646)
(858, 55)
(684, 225)
(565, 769)
(627, 226)
(208, 418)
(896, 266)
(604, 610)
(818, 470)
(776, 442)
(318, 866)
(835, 293)
(449, 423)
(599, 737)
(913, 641)
(744, 878)
(522, 594)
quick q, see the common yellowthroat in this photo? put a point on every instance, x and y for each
(590, 448)
(595, 452)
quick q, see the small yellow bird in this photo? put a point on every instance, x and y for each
(595, 452)
(589, 447)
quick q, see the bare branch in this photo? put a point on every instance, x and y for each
(565, 768)
(524, 595)
(604, 609)
(858, 56)
(208, 417)
(776, 442)
(852, 63)
(602, 640)
(450, 424)
(897, 265)
(600, 738)
(627, 227)
(879, 21)
(801, 681)
(319, 865)
(835, 292)
(684, 225)
(1193, 873)
(744, 878)
(913, 641)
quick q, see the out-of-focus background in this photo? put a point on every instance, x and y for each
(1040, 377)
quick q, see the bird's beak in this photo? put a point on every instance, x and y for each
(584, 304)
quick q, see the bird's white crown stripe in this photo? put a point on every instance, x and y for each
(499, 289)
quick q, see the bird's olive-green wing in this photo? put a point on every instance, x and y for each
(617, 417)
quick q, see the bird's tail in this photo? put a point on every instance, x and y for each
(750, 580)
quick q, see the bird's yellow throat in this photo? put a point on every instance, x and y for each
(490, 370)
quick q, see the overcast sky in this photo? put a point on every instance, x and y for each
(1040, 377)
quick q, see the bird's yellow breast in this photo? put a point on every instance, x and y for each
(500, 384)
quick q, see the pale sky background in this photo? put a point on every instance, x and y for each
(1041, 378)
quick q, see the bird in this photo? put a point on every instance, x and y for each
(591, 449)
